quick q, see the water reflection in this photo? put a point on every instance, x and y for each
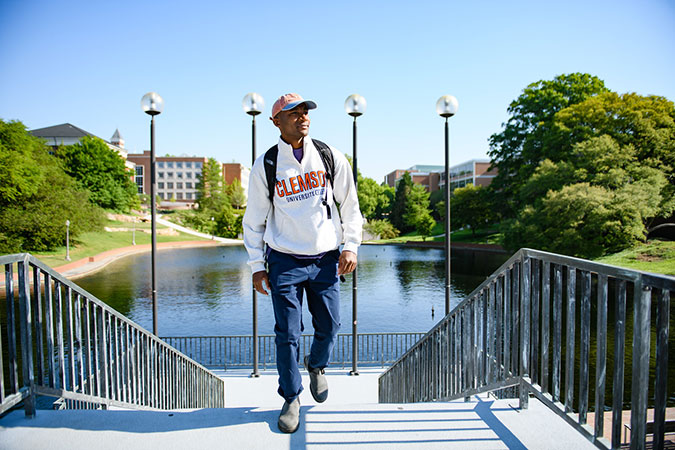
(207, 291)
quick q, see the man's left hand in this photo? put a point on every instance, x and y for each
(347, 262)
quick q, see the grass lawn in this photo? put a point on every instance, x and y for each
(653, 256)
(90, 244)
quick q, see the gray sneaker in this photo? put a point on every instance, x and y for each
(289, 419)
(318, 385)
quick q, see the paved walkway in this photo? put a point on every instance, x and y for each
(350, 419)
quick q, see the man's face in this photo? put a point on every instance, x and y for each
(293, 124)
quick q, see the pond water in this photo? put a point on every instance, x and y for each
(206, 291)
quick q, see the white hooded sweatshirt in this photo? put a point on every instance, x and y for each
(298, 224)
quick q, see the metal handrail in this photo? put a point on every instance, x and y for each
(513, 330)
(236, 351)
(73, 346)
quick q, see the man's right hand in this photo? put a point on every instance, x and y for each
(261, 281)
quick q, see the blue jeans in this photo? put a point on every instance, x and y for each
(289, 278)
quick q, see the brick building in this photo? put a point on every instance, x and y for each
(475, 171)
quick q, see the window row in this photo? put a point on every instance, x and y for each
(177, 195)
(177, 174)
(170, 185)
(179, 164)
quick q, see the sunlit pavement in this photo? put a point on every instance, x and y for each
(350, 418)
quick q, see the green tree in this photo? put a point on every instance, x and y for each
(228, 224)
(417, 206)
(102, 172)
(470, 207)
(382, 228)
(38, 196)
(400, 205)
(425, 223)
(373, 199)
(519, 148)
(211, 189)
(236, 193)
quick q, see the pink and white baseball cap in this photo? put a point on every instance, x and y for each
(290, 101)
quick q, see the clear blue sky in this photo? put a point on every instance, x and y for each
(89, 63)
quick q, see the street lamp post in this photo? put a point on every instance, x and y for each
(446, 107)
(253, 105)
(355, 105)
(152, 104)
(67, 240)
(133, 233)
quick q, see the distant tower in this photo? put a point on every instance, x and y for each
(117, 139)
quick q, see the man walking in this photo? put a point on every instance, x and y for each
(292, 195)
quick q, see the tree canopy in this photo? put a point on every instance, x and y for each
(470, 207)
(37, 196)
(519, 148)
(102, 171)
(374, 199)
(604, 173)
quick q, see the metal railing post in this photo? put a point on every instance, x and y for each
(641, 334)
(26, 336)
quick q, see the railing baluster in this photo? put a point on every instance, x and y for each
(58, 315)
(619, 354)
(545, 324)
(569, 347)
(2, 376)
(525, 330)
(584, 345)
(640, 387)
(601, 356)
(26, 335)
(515, 310)
(535, 320)
(118, 356)
(49, 319)
(71, 337)
(660, 389)
(89, 372)
(11, 330)
(508, 323)
(78, 337)
(557, 331)
(491, 345)
(499, 374)
(39, 325)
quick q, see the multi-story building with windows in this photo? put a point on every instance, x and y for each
(177, 176)
(475, 171)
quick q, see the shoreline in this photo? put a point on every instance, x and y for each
(492, 248)
(87, 266)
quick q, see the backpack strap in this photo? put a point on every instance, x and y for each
(328, 164)
(327, 158)
(270, 164)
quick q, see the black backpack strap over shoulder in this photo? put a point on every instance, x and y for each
(326, 157)
(270, 164)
